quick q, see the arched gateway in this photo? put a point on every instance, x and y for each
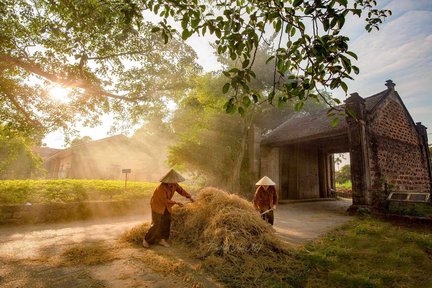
(388, 151)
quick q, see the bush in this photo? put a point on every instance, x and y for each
(71, 190)
(343, 175)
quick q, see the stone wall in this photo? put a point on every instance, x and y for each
(396, 152)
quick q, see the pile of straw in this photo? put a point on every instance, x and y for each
(222, 224)
(235, 244)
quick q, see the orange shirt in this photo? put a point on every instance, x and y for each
(264, 200)
(162, 195)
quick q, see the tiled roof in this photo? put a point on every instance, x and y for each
(305, 126)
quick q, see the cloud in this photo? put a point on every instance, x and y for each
(400, 51)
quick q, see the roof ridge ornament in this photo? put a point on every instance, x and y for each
(390, 85)
(355, 97)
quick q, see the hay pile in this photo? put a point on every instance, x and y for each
(235, 244)
(136, 234)
(222, 224)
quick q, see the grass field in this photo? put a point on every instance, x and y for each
(370, 253)
(345, 185)
(47, 191)
(365, 252)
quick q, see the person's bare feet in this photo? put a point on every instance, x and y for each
(164, 243)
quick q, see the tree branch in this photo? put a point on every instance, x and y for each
(67, 82)
(27, 116)
(118, 55)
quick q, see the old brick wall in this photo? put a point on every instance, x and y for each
(396, 152)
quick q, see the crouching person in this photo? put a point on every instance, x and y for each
(161, 205)
(265, 199)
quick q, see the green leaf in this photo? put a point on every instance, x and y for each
(185, 21)
(344, 86)
(271, 96)
(226, 87)
(335, 122)
(155, 29)
(245, 63)
(186, 34)
(255, 98)
(278, 25)
(270, 59)
(246, 101)
(352, 54)
(298, 106)
(241, 111)
(195, 22)
(297, 3)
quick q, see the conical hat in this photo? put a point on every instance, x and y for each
(266, 181)
(172, 177)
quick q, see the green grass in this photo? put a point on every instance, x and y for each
(370, 253)
(412, 209)
(345, 185)
(47, 191)
(365, 252)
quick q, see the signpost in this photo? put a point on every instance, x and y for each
(126, 172)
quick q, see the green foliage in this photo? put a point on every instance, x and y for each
(79, 141)
(344, 185)
(114, 61)
(304, 58)
(46, 191)
(211, 146)
(370, 253)
(215, 149)
(344, 174)
(17, 160)
(104, 52)
(411, 209)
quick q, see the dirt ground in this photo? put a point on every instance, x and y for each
(37, 256)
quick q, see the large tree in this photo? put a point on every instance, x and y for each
(311, 53)
(105, 51)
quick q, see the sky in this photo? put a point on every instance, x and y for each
(401, 51)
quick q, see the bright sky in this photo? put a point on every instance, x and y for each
(401, 51)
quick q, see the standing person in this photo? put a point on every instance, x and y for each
(161, 205)
(265, 199)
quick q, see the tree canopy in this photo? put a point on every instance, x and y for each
(114, 61)
(103, 51)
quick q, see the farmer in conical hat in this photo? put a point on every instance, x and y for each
(161, 205)
(265, 199)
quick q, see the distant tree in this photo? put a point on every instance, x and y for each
(344, 174)
(17, 160)
(152, 139)
(79, 141)
(215, 146)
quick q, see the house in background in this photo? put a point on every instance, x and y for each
(105, 159)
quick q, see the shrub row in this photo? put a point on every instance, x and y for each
(71, 190)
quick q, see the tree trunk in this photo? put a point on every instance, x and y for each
(236, 175)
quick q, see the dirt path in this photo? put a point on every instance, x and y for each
(35, 256)
(297, 223)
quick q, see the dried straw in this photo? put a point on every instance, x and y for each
(223, 224)
(237, 246)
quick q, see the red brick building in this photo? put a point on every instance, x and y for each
(388, 151)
